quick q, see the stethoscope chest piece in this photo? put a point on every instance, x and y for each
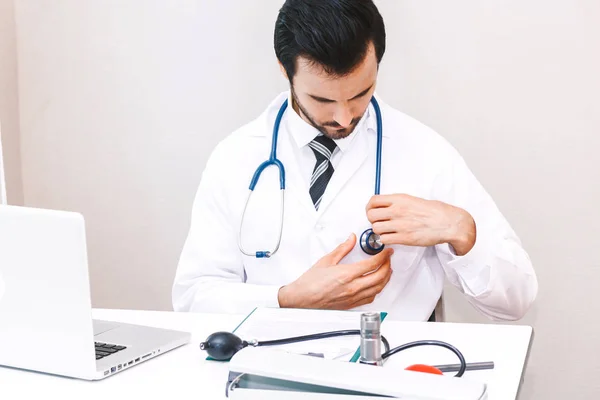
(370, 242)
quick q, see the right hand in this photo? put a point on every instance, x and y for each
(329, 285)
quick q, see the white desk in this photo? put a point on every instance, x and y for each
(184, 373)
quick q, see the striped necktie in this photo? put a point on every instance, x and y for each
(323, 148)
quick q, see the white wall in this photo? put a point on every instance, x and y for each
(121, 104)
(9, 115)
(514, 85)
(120, 107)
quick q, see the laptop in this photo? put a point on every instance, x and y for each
(45, 305)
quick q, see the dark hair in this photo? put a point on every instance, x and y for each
(332, 33)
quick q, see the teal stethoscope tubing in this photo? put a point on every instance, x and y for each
(369, 240)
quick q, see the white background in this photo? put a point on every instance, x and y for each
(118, 105)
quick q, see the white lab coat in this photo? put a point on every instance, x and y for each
(496, 276)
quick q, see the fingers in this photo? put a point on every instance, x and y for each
(370, 264)
(378, 201)
(362, 302)
(398, 238)
(379, 214)
(384, 227)
(380, 207)
(340, 251)
(372, 289)
(374, 279)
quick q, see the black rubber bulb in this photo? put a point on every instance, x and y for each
(222, 346)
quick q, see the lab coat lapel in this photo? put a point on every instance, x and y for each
(349, 164)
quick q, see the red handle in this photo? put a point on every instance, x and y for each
(424, 368)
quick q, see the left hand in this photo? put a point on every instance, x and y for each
(412, 221)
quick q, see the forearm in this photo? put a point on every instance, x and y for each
(215, 295)
(496, 277)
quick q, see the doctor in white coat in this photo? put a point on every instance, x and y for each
(435, 219)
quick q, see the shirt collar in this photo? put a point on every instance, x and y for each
(303, 133)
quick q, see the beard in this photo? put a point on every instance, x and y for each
(331, 129)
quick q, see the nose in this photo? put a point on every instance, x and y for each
(343, 116)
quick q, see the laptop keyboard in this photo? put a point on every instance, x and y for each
(105, 349)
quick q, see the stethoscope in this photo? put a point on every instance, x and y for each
(370, 242)
(222, 346)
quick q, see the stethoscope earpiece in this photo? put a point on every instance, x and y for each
(370, 242)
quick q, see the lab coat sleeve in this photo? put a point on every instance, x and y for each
(210, 275)
(496, 275)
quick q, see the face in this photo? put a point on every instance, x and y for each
(334, 105)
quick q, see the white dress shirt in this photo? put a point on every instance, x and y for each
(213, 275)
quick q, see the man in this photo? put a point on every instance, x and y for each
(434, 218)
